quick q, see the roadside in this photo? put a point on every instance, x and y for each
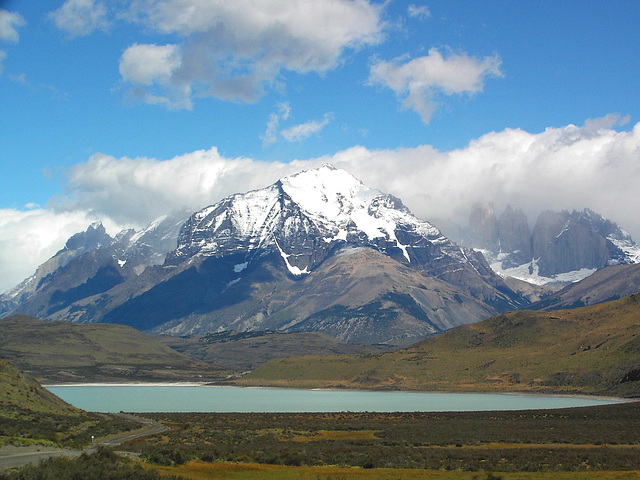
(16, 456)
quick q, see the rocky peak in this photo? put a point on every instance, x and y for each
(514, 237)
(93, 237)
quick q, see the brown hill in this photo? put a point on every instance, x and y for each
(590, 350)
(65, 352)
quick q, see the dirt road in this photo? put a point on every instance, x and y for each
(12, 456)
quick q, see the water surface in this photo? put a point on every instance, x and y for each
(192, 398)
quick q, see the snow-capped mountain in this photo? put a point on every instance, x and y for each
(317, 250)
(303, 217)
(562, 246)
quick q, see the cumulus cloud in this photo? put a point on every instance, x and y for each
(560, 168)
(9, 23)
(419, 81)
(570, 167)
(152, 67)
(235, 50)
(81, 17)
(137, 190)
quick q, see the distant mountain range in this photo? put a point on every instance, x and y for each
(561, 247)
(315, 251)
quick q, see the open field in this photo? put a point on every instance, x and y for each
(362, 445)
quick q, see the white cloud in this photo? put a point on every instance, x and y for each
(299, 132)
(296, 133)
(81, 17)
(420, 12)
(568, 167)
(135, 191)
(418, 81)
(146, 64)
(9, 21)
(560, 168)
(234, 50)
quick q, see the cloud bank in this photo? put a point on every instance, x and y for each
(592, 166)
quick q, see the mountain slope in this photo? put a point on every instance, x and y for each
(305, 216)
(92, 262)
(65, 352)
(245, 351)
(594, 350)
(20, 391)
(610, 283)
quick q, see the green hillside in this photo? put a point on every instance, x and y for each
(67, 352)
(590, 350)
(21, 391)
(30, 413)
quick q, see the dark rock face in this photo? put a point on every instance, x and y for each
(515, 237)
(574, 247)
(567, 242)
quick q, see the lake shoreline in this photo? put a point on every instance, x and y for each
(607, 398)
(180, 397)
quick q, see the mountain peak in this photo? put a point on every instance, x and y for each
(302, 217)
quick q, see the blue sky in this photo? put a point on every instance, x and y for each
(117, 110)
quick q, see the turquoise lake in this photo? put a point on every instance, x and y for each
(190, 398)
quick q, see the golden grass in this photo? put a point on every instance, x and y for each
(252, 471)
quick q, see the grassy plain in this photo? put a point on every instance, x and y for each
(590, 350)
(564, 443)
